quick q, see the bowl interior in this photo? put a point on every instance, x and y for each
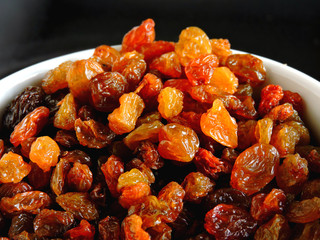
(277, 73)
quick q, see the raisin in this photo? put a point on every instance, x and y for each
(132, 66)
(229, 222)
(227, 196)
(98, 194)
(38, 178)
(131, 178)
(29, 202)
(167, 64)
(149, 89)
(310, 231)
(244, 89)
(142, 167)
(146, 131)
(131, 226)
(294, 99)
(160, 232)
(156, 49)
(123, 119)
(112, 169)
(285, 138)
(79, 178)
(13, 168)
(292, 173)
(147, 151)
(11, 189)
(263, 130)
(276, 228)
(30, 125)
(247, 133)
(210, 165)
(20, 223)
(134, 194)
(182, 84)
(218, 124)
(44, 152)
(200, 69)
(23, 104)
(270, 98)
(312, 154)
(255, 168)
(247, 68)
(304, 135)
(87, 112)
(109, 228)
(177, 142)
(224, 80)
(51, 223)
(58, 177)
(67, 113)
(79, 204)
(264, 206)
(138, 36)
(83, 231)
(172, 194)
(151, 211)
(196, 186)
(106, 88)
(310, 189)
(93, 134)
(148, 118)
(170, 102)
(221, 48)
(106, 56)
(26, 146)
(304, 211)
(55, 79)
(77, 156)
(66, 138)
(192, 43)
(280, 113)
(79, 76)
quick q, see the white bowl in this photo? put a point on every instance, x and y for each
(277, 73)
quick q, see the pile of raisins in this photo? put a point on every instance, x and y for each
(160, 140)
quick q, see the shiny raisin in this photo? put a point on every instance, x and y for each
(109, 228)
(67, 113)
(79, 178)
(83, 231)
(170, 102)
(106, 56)
(167, 64)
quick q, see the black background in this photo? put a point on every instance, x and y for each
(31, 31)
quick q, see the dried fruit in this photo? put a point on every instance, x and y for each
(276, 228)
(131, 178)
(13, 168)
(56, 78)
(200, 69)
(109, 228)
(30, 125)
(147, 151)
(106, 88)
(167, 64)
(51, 223)
(247, 68)
(134, 194)
(254, 168)
(221, 48)
(218, 124)
(20, 223)
(192, 43)
(58, 177)
(83, 231)
(38, 178)
(44, 152)
(67, 113)
(138, 36)
(79, 204)
(93, 134)
(156, 49)
(79, 76)
(196, 186)
(177, 142)
(123, 119)
(79, 178)
(112, 169)
(131, 226)
(170, 102)
(11, 189)
(146, 131)
(229, 222)
(106, 56)
(28, 100)
(304, 211)
(29, 202)
(292, 173)
(270, 98)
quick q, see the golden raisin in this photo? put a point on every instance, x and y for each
(170, 102)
